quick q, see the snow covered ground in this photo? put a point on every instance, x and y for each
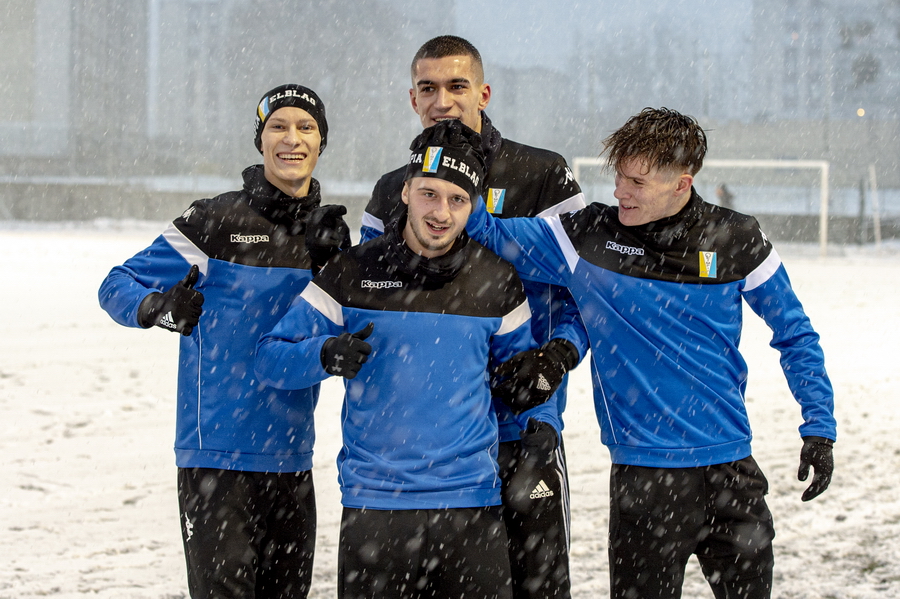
(88, 504)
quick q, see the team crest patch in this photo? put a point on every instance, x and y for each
(708, 265)
(262, 111)
(432, 159)
(495, 198)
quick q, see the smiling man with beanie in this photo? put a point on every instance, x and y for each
(448, 82)
(221, 274)
(415, 320)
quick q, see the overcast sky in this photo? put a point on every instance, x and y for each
(545, 33)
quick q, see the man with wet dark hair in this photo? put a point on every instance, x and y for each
(448, 83)
(659, 281)
(662, 137)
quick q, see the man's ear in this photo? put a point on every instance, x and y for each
(404, 193)
(685, 180)
(413, 100)
(485, 98)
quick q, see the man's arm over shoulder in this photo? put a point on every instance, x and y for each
(539, 248)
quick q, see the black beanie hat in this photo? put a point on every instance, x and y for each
(295, 95)
(451, 151)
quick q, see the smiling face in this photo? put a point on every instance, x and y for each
(449, 88)
(290, 148)
(437, 214)
(647, 194)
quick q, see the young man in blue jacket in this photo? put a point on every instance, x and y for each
(415, 320)
(448, 82)
(659, 281)
(222, 274)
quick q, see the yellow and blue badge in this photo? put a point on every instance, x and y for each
(432, 159)
(262, 111)
(708, 265)
(494, 200)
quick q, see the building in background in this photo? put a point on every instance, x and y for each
(133, 109)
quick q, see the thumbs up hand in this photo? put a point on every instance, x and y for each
(345, 354)
(177, 310)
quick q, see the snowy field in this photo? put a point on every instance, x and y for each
(88, 505)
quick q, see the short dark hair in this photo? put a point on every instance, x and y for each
(447, 45)
(665, 138)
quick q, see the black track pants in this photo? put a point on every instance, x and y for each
(659, 517)
(536, 514)
(248, 535)
(457, 553)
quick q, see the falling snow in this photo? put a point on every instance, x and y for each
(89, 505)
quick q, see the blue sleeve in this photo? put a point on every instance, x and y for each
(506, 344)
(530, 244)
(155, 269)
(371, 226)
(504, 347)
(369, 230)
(571, 328)
(546, 412)
(802, 359)
(287, 357)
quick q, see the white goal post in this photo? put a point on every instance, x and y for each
(823, 166)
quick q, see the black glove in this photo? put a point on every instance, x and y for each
(539, 442)
(529, 378)
(535, 463)
(177, 310)
(326, 234)
(818, 453)
(345, 354)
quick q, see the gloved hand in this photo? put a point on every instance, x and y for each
(535, 463)
(539, 442)
(818, 453)
(326, 234)
(529, 378)
(345, 354)
(177, 310)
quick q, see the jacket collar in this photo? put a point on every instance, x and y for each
(429, 271)
(490, 141)
(277, 206)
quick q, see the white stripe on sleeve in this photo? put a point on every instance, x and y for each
(184, 246)
(324, 303)
(372, 222)
(576, 202)
(565, 244)
(763, 272)
(519, 316)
